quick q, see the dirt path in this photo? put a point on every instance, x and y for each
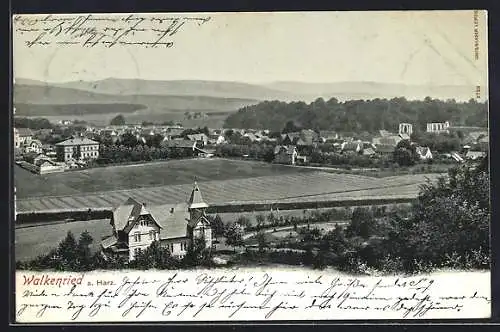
(287, 228)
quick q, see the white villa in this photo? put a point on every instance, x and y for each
(136, 225)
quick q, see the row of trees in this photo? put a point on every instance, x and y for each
(442, 143)
(123, 153)
(32, 123)
(259, 151)
(120, 120)
(350, 159)
(358, 115)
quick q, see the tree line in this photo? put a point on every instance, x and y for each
(358, 115)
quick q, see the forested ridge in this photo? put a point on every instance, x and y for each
(359, 115)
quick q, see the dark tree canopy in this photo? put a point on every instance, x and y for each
(357, 115)
(118, 120)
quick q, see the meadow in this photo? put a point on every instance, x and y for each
(33, 241)
(155, 174)
(221, 182)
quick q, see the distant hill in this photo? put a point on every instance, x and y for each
(39, 110)
(52, 95)
(370, 90)
(217, 89)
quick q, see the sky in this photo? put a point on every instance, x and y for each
(408, 47)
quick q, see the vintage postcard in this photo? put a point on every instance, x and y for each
(258, 166)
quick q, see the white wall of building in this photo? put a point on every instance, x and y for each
(141, 236)
(203, 231)
(177, 247)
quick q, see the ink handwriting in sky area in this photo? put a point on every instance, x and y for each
(149, 31)
(235, 296)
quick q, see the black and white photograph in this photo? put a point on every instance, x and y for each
(251, 166)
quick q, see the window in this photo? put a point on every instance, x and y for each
(171, 247)
(152, 235)
(137, 237)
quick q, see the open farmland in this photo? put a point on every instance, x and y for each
(249, 184)
(33, 241)
(154, 174)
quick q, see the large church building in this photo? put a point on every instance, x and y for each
(136, 225)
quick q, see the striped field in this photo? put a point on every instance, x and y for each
(298, 187)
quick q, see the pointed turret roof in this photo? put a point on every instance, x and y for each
(196, 201)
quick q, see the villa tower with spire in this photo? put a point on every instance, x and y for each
(199, 226)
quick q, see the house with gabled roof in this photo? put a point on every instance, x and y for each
(424, 153)
(175, 226)
(305, 137)
(356, 146)
(284, 154)
(392, 140)
(200, 138)
(21, 136)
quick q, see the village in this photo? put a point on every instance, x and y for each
(45, 150)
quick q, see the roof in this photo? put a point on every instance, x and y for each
(423, 150)
(24, 132)
(387, 140)
(384, 133)
(35, 141)
(147, 132)
(175, 131)
(196, 220)
(121, 215)
(287, 149)
(368, 151)
(179, 144)
(475, 154)
(384, 148)
(475, 135)
(484, 139)
(197, 137)
(108, 242)
(251, 136)
(327, 133)
(351, 146)
(172, 218)
(77, 141)
(456, 156)
(196, 200)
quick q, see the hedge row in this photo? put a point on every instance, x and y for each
(90, 214)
